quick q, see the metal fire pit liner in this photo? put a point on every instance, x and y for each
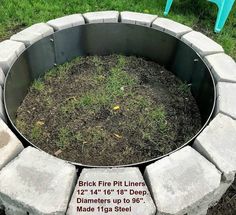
(105, 39)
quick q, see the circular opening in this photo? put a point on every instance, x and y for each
(108, 39)
(119, 109)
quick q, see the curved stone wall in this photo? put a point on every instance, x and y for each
(188, 181)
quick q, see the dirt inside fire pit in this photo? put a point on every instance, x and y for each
(110, 110)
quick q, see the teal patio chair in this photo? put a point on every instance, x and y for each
(224, 8)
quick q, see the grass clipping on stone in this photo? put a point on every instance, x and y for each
(110, 110)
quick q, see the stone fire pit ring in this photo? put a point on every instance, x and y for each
(188, 180)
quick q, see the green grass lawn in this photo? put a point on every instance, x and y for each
(201, 15)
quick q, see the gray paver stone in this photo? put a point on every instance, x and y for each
(222, 66)
(66, 22)
(33, 33)
(9, 51)
(201, 43)
(121, 175)
(101, 17)
(137, 18)
(217, 142)
(171, 27)
(226, 99)
(2, 77)
(183, 183)
(10, 146)
(2, 109)
(42, 183)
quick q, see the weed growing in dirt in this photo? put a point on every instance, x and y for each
(184, 88)
(36, 131)
(38, 85)
(64, 137)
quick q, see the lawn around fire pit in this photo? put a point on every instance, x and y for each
(111, 110)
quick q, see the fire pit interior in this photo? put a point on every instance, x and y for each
(117, 104)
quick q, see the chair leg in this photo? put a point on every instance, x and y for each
(224, 8)
(168, 6)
